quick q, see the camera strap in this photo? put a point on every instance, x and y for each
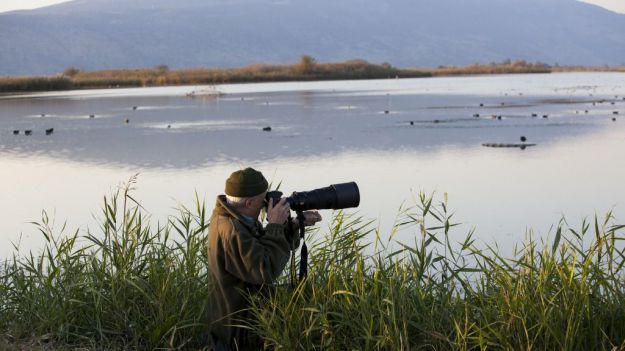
(303, 258)
(303, 262)
(292, 275)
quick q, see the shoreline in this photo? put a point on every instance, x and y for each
(19, 93)
(305, 70)
(217, 91)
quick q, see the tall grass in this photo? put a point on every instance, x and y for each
(74, 78)
(307, 69)
(442, 293)
(24, 84)
(129, 285)
(505, 67)
(141, 286)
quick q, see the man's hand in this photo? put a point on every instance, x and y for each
(279, 213)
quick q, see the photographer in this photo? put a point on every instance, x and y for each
(243, 256)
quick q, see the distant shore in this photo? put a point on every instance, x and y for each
(307, 69)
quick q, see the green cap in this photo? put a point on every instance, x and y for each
(246, 183)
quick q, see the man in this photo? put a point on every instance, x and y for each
(243, 256)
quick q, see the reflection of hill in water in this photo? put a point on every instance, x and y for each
(178, 132)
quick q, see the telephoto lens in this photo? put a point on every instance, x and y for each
(335, 196)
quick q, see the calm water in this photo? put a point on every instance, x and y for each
(323, 133)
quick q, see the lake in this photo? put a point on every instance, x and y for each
(394, 137)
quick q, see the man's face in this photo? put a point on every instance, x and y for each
(255, 204)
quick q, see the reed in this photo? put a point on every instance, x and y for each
(74, 78)
(307, 69)
(128, 286)
(442, 293)
(25, 84)
(505, 67)
(141, 286)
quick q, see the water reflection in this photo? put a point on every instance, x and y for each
(190, 134)
(501, 192)
(324, 133)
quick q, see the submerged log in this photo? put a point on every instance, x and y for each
(523, 146)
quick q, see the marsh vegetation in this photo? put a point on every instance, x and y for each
(307, 69)
(136, 284)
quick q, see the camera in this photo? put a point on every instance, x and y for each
(336, 197)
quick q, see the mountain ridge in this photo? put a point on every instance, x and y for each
(99, 34)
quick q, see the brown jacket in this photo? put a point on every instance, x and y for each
(242, 258)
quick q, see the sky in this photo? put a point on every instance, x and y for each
(10, 5)
(614, 5)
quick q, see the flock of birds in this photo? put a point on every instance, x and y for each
(533, 115)
(523, 139)
(30, 131)
(49, 131)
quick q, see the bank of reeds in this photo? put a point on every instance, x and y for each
(606, 68)
(505, 67)
(24, 84)
(307, 69)
(445, 293)
(127, 285)
(132, 285)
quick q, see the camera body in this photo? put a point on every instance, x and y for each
(335, 196)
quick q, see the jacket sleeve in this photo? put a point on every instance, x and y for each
(257, 260)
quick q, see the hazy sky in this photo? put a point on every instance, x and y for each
(614, 5)
(9, 5)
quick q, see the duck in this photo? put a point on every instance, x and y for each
(49, 131)
(267, 129)
(16, 132)
(28, 132)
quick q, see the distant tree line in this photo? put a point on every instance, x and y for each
(307, 69)
(505, 67)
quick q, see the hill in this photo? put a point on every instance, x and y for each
(105, 34)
